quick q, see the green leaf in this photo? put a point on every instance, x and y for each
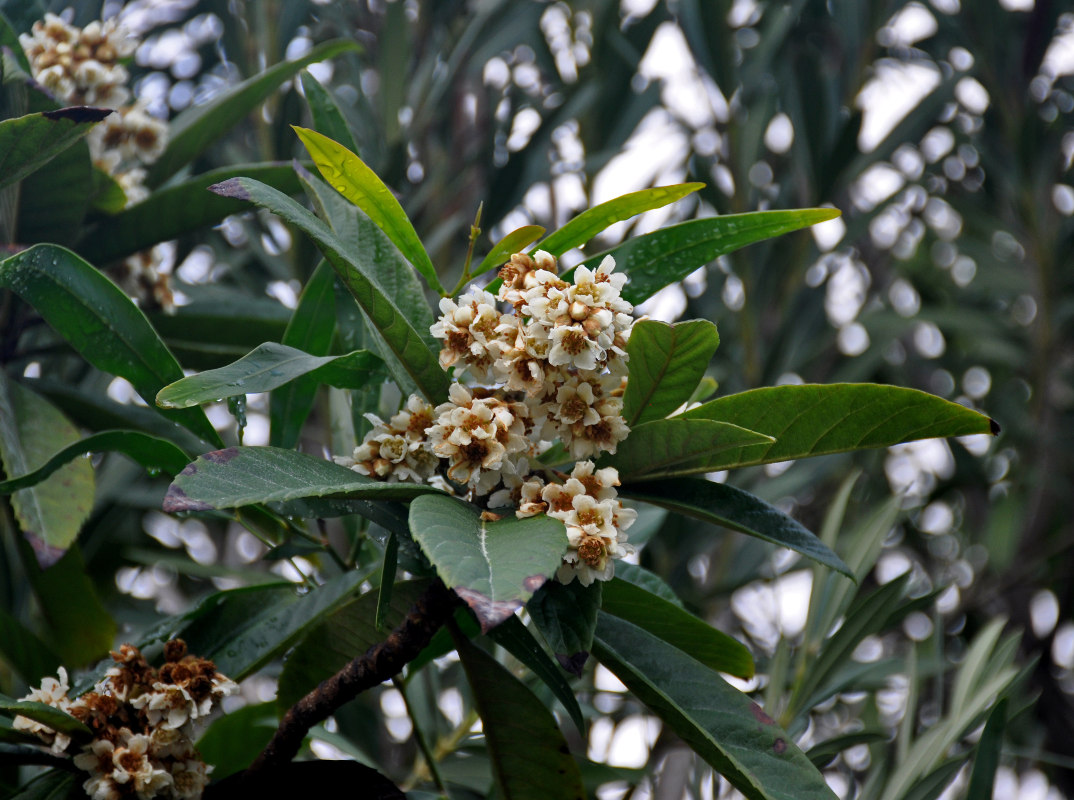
(824, 753)
(985, 762)
(24, 652)
(678, 627)
(199, 126)
(310, 329)
(149, 451)
(55, 718)
(666, 364)
(723, 726)
(340, 637)
(55, 784)
(100, 322)
(243, 629)
(28, 142)
(494, 567)
(349, 176)
(388, 569)
(594, 220)
(50, 513)
(813, 420)
(512, 243)
(175, 211)
(670, 254)
(242, 476)
(268, 367)
(738, 510)
(414, 361)
(566, 616)
(327, 117)
(79, 628)
(234, 740)
(643, 578)
(530, 758)
(514, 637)
(666, 448)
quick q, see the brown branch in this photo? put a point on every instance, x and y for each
(379, 663)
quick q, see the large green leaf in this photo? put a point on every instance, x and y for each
(175, 211)
(339, 638)
(28, 142)
(512, 243)
(266, 368)
(55, 718)
(592, 221)
(494, 567)
(670, 447)
(670, 254)
(414, 361)
(55, 784)
(349, 176)
(51, 512)
(678, 627)
(199, 126)
(100, 322)
(154, 454)
(813, 420)
(24, 652)
(242, 476)
(738, 510)
(566, 616)
(310, 330)
(722, 725)
(530, 758)
(242, 629)
(666, 364)
(234, 740)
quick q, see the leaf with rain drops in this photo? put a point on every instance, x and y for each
(494, 566)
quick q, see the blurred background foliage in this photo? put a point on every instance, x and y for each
(944, 132)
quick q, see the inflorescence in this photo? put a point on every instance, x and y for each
(143, 722)
(552, 368)
(84, 67)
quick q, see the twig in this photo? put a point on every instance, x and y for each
(379, 663)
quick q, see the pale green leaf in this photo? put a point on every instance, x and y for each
(666, 363)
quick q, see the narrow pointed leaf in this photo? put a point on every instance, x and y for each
(268, 367)
(494, 567)
(678, 627)
(242, 476)
(28, 142)
(348, 175)
(310, 329)
(414, 361)
(812, 420)
(100, 322)
(986, 760)
(738, 510)
(328, 119)
(201, 125)
(670, 254)
(566, 616)
(149, 451)
(514, 637)
(50, 513)
(514, 242)
(176, 210)
(723, 726)
(596, 219)
(55, 784)
(671, 447)
(55, 718)
(530, 758)
(666, 364)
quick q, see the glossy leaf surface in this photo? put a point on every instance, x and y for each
(241, 476)
(348, 175)
(30, 141)
(813, 420)
(494, 566)
(566, 616)
(722, 725)
(514, 242)
(666, 363)
(738, 510)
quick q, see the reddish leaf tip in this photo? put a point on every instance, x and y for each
(78, 114)
(45, 553)
(489, 612)
(177, 500)
(232, 188)
(574, 662)
(221, 456)
(993, 427)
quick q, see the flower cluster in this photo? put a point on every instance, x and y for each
(83, 66)
(143, 724)
(553, 367)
